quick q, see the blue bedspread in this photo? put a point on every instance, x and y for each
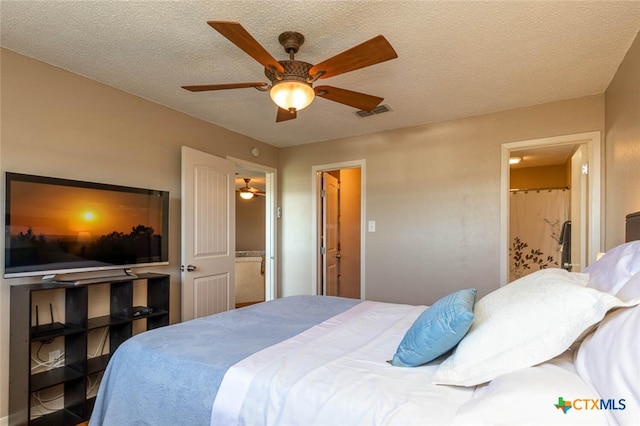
(170, 376)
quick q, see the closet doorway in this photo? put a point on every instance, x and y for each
(555, 190)
(338, 235)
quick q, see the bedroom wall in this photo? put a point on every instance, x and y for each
(622, 116)
(60, 124)
(443, 238)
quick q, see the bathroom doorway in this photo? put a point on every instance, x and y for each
(581, 165)
(540, 214)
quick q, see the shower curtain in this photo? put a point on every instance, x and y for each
(535, 225)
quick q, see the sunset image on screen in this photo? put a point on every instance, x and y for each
(70, 211)
(54, 223)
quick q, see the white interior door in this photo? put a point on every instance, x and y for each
(331, 235)
(208, 234)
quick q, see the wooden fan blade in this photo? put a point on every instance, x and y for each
(368, 53)
(205, 87)
(357, 100)
(284, 115)
(237, 35)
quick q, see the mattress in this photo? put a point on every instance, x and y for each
(170, 375)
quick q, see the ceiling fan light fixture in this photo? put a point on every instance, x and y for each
(292, 94)
(246, 194)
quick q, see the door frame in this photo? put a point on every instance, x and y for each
(271, 275)
(316, 218)
(593, 141)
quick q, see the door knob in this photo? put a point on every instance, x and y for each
(190, 268)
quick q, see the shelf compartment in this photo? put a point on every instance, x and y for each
(105, 321)
(97, 364)
(151, 315)
(53, 377)
(69, 329)
(64, 417)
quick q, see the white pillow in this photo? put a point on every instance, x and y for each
(615, 268)
(630, 290)
(527, 397)
(608, 360)
(529, 321)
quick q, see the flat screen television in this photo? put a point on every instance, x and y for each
(55, 227)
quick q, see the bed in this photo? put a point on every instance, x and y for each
(554, 347)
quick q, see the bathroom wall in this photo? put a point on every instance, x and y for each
(250, 223)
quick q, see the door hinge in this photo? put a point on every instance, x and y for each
(323, 250)
(585, 168)
(323, 193)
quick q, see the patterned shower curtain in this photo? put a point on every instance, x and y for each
(535, 225)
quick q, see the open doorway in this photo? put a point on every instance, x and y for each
(562, 187)
(338, 230)
(541, 193)
(255, 233)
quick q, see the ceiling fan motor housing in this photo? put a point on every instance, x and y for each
(293, 70)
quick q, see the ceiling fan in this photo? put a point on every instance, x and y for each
(292, 81)
(247, 192)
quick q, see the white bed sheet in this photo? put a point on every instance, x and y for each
(337, 373)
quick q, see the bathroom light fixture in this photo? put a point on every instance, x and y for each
(515, 160)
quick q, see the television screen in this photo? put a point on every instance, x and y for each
(55, 226)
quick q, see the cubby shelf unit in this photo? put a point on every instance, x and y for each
(78, 367)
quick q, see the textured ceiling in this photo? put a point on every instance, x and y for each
(455, 58)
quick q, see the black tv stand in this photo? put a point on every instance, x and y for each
(108, 304)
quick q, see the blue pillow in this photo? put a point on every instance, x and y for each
(439, 328)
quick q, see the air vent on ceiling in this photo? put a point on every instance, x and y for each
(377, 110)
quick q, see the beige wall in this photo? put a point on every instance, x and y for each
(622, 116)
(59, 124)
(434, 192)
